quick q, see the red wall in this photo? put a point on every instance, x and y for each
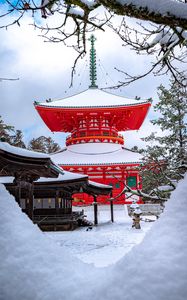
(114, 175)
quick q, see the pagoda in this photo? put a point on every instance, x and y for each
(95, 147)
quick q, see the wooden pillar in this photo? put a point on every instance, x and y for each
(70, 201)
(112, 209)
(56, 202)
(30, 199)
(95, 210)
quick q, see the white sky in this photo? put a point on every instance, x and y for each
(44, 70)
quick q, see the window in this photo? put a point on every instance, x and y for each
(105, 123)
(93, 123)
(82, 124)
(117, 185)
(131, 181)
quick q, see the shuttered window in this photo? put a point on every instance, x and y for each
(131, 181)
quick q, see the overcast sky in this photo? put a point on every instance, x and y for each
(44, 72)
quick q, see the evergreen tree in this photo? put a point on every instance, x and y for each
(166, 156)
(37, 145)
(9, 135)
(17, 139)
(43, 144)
(5, 131)
(51, 145)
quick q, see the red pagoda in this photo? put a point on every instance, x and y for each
(94, 147)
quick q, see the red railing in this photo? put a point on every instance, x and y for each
(94, 138)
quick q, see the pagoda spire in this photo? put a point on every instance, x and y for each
(93, 64)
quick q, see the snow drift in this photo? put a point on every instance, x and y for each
(33, 267)
(157, 268)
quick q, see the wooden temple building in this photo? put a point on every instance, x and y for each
(43, 190)
(94, 118)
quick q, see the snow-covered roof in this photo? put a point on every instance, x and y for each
(63, 177)
(66, 176)
(96, 154)
(21, 152)
(15, 158)
(92, 98)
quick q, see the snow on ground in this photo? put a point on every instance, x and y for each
(106, 243)
(34, 266)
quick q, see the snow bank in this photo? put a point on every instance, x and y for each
(157, 268)
(32, 267)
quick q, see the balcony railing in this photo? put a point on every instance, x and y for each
(95, 138)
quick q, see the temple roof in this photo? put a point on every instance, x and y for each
(124, 114)
(69, 179)
(92, 97)
(22, 162)
(96, 154)
(66, 176)
(21, 152)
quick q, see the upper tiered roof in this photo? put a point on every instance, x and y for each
(92, 98)
(61, 115)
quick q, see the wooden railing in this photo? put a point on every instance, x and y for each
(58, 219)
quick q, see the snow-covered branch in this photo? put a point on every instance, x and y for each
(172, 13)
(166, 45)
(139, 193)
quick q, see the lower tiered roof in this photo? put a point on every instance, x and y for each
(96, 154)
